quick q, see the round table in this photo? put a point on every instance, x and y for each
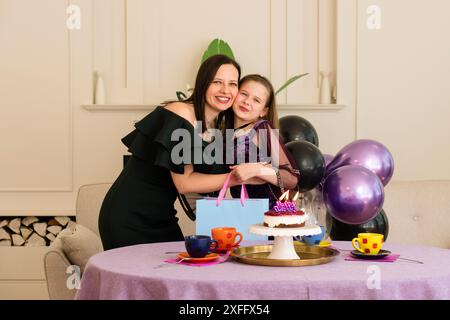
(130, 273)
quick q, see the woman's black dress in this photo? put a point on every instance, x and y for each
(139, 207)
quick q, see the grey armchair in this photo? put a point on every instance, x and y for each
(88, 205)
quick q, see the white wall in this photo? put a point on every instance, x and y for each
(391, 81)
(403, 85)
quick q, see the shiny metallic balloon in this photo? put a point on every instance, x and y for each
(369, 154)
(310, 163)
(353, 194)
(346, 232)
(295, 128)
(328, 158)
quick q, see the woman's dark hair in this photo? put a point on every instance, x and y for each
(205, 76)
(225, 119)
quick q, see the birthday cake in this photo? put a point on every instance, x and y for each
(285, 214)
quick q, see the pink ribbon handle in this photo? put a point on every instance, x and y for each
(244, 194)
(223, 191)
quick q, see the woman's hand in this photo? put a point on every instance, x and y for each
(247, 171)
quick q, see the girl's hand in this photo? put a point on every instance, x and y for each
(246, 171)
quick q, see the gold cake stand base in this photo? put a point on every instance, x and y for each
(309, 256)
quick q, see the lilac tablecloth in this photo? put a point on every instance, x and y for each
(129, 273)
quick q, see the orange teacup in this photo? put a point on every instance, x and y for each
(226, 237)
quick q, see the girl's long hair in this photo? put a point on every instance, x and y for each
(272, 114)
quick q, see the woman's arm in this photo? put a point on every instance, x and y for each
(192, 181)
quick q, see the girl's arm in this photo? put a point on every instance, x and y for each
(280, 160)
(261, 171)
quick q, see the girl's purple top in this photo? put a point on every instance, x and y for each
(263, 137)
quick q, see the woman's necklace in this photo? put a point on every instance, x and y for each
(208, 134)
(240, 131)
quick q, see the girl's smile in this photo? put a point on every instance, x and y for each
(250, 103)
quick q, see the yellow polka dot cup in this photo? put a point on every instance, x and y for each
(368, 243)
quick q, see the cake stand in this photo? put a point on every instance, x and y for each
(283, 247)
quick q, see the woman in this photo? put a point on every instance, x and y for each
(258, 148)
(139, 207)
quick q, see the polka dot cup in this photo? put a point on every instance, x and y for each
(226, 237)
(368, 243)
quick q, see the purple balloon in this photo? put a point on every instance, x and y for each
(353, 194)
(328, 158)
(367, 153)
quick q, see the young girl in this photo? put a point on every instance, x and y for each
(258, 149)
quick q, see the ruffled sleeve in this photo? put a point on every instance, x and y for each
(157, 135)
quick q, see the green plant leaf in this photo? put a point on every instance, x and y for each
(181, 96)
(290, 81)
(218, 46)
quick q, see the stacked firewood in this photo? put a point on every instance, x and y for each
(32, 231)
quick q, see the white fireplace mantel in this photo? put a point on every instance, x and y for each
(143, 107)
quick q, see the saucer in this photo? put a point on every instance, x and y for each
(209, 257)
(226, 250)
(381, 254)
(324, 244)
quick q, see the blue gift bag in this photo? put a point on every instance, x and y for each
(238, 213)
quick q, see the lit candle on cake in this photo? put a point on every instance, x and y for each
(284, 205)
(291, 205)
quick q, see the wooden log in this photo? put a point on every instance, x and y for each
(53, 222)
(50, 236)
(40, 228)
(5, 243)
(25, 232)
(3, 223)
(35, 240)
(72, 225)
(54, 229)
(14, 225)
(4, 235)
(63, 221)
(27, 221)
(17, 240)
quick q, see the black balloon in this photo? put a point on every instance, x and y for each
(310, 162)
(295, 128)
(346, 232)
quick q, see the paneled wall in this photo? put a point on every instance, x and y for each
(36, 117)
(403, 84)
(141, 44)
(391, 81)
(147, 50)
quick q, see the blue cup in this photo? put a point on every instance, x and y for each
(314, 240)
(198, 246)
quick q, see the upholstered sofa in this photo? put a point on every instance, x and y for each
(418, 213)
